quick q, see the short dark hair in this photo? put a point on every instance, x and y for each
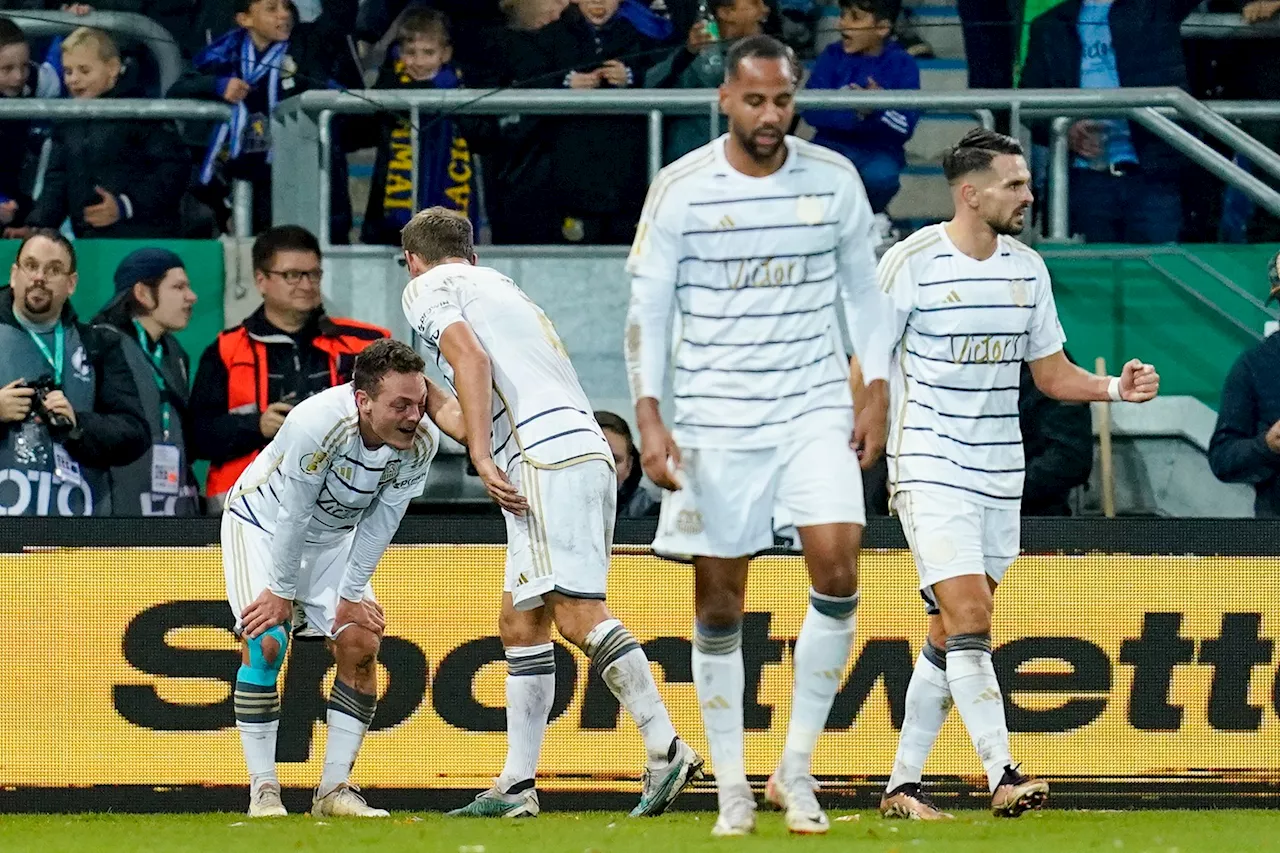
(282, 238)
(53, 235)
(243, 7)
(975, 152)
(714, 6)
(11, 33)
(883, 10)
(615, 424)
(381, 357)
(758, 47)
(423, 22)
(438, 233)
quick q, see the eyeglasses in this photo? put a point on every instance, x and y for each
(53, 269)
(295, 277)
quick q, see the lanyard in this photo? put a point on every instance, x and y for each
(54, 358)
(156, 356)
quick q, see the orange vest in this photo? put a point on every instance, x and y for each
(246, 362)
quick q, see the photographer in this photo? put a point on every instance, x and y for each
(68, 407)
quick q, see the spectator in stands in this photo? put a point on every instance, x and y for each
(120, 178)
(419, 59)
(68, 410)
(1245, 447)
(1124, 179)
(699, 64)
(265, 59)
(283, 353)
(153, 300)
(1057, 439)
(874, 140)
(19, 143)
(595, 182)
(636, 498)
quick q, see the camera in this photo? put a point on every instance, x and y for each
(58, 425)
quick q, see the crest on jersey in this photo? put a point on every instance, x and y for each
(810, 209)
(1020, 293)
(390, 472)
(313, 462)
(689, 521)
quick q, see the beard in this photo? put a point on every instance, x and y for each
(1010, 227)
(756, 150)
(37, 300)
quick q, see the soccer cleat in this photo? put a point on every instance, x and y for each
(795, 795)
(909, 801)
(265, 801)
(1017, 793)
(344, 801)
(663, 784)
(737, 816)
(495, 803)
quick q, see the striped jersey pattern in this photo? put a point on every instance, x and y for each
(968, 327)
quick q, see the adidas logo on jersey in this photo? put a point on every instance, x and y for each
(953, 298)
(716, 703)
(725, 222)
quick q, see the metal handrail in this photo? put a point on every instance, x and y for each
(161, 43)
(1224, 25)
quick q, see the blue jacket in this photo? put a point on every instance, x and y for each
(1238, 451)
(882, 130)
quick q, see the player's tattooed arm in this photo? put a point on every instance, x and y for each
(446, 411)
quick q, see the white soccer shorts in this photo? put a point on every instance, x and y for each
(950, 537)
(726, 505)
(246, 561)
(563, 542)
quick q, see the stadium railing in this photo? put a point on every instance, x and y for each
(123, 26)
(301, 128)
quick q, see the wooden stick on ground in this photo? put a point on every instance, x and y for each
(1102, 411)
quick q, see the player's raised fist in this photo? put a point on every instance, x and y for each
(1139, 382)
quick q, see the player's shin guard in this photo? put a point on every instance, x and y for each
(349, 715)
(928, 703)
(622, 664)
(821, 655)
(257, 705)
(720, 678)
(531, 689)
(976, 692)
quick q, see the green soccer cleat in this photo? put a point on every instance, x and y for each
(663, 785)
(495, 803)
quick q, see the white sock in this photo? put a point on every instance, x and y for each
(821, 655)
(720, 678)
(259, 742)
(622, 664)
(531, 688)
(973, 684)
(928, 703)
(349, 715)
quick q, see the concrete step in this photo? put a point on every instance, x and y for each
(940, 27)
(943, 75)
(934, 136)
(924, 196)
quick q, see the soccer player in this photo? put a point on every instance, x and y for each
(536, 445)
(304, 528)
(755, 238)
(971, 304)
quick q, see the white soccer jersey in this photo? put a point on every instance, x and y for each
(754, 267)
(541, 415)
(965, 328)
(319, 447)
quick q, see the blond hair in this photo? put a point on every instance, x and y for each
(93, 38)
(438, 233)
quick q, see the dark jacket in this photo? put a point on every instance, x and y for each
(1238, 452)
(684, 70)
(635, 500)
(112, 430)
(296, 370)
(141, 163)
(1057, 439)
(596, 164)
(20, 143)
(1146, 35)
(886, 131)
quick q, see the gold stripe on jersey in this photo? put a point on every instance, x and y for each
(543, 466)
(254, 486)
(825, 155)
(900, 428)
(668, 177)
(897, 256)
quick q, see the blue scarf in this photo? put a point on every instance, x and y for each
(237, 47)
(442, 179)
(645, 21)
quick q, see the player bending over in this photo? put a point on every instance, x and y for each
(971, 304)
(303, 530)
(754, 239)
(542, 457)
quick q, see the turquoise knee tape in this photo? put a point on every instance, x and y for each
(258, 670)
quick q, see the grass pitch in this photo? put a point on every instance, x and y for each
(609, 832)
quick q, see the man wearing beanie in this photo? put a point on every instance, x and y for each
(1246, 443)
(153, 299)
(68, 410)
